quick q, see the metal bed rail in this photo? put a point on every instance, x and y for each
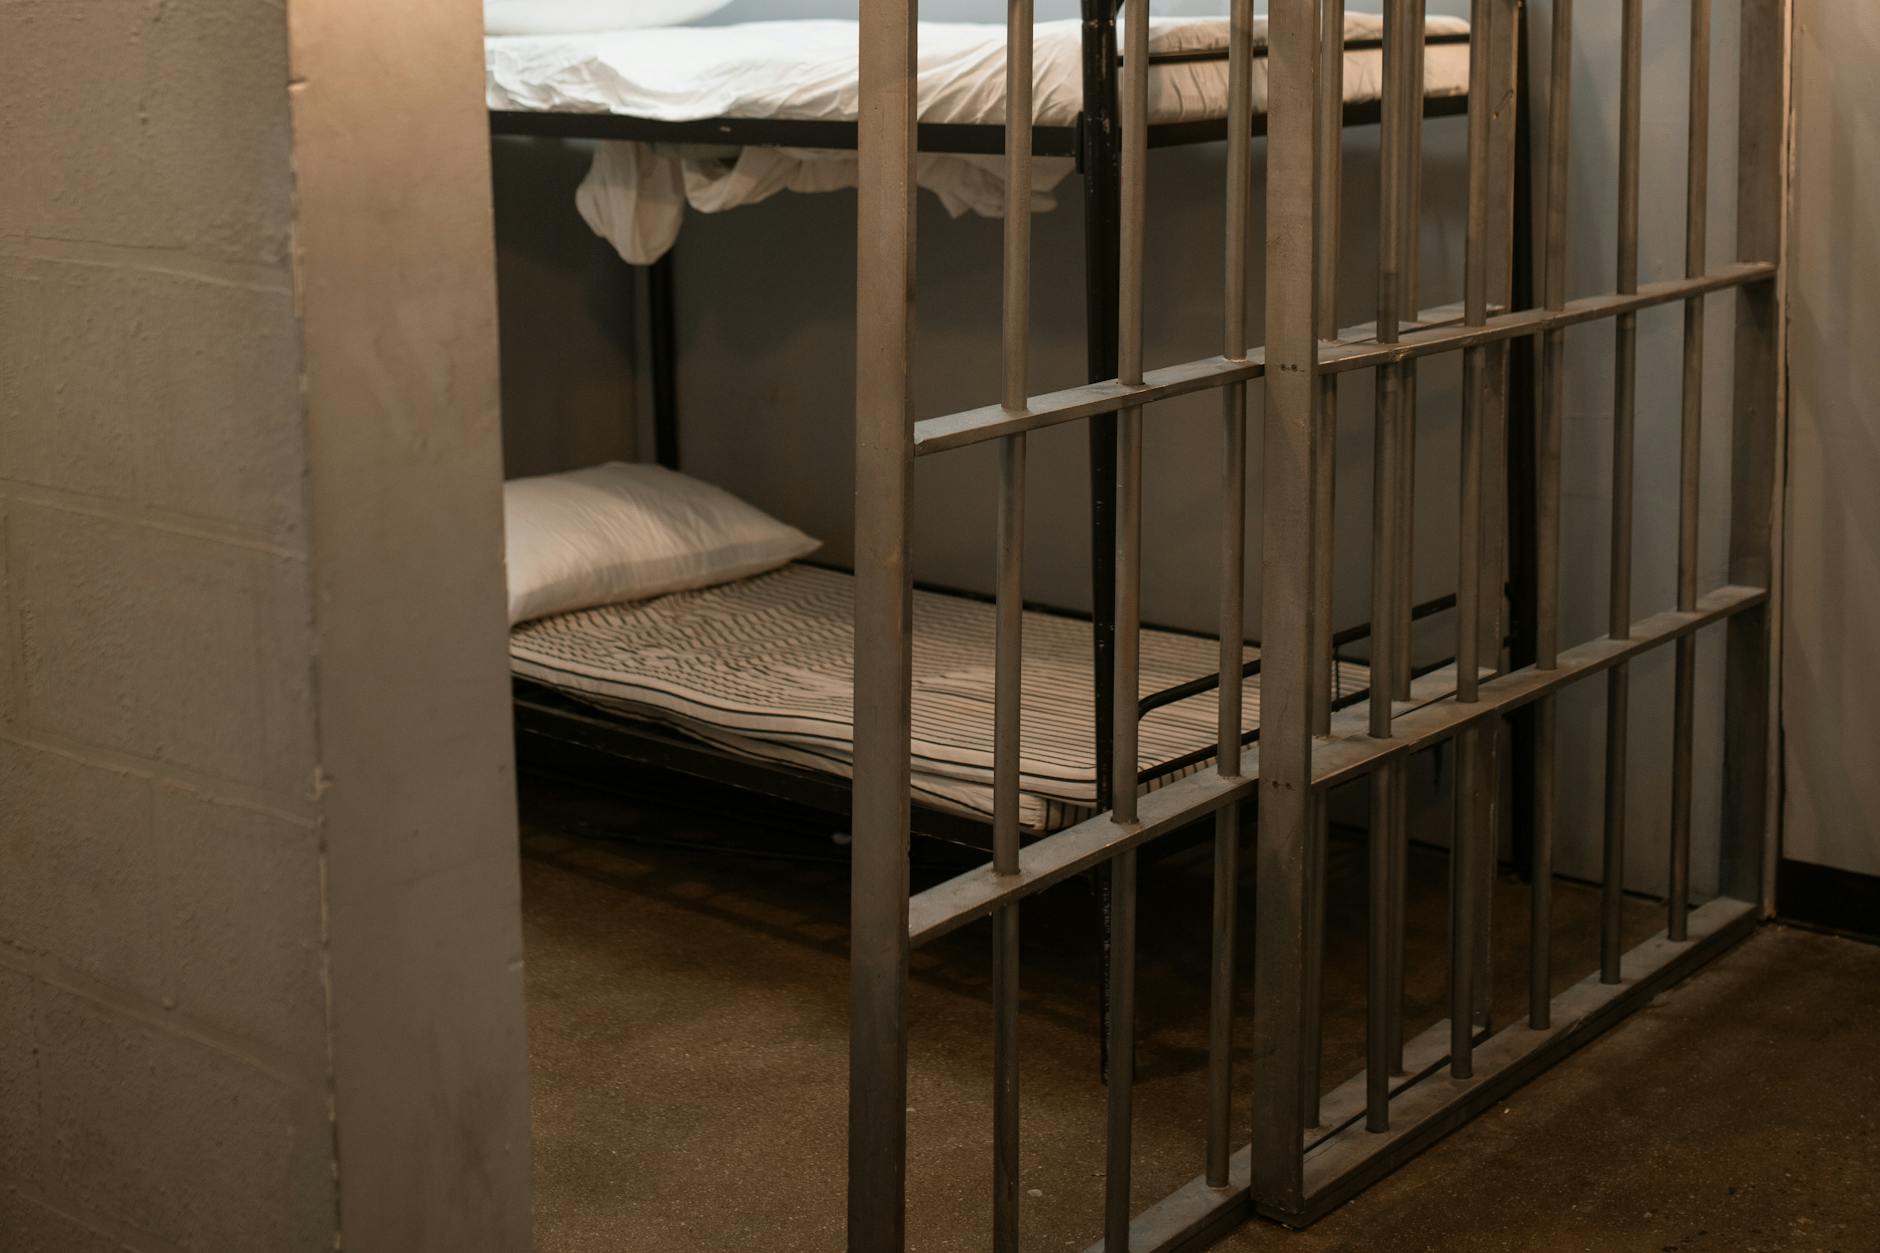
(1310, 1149)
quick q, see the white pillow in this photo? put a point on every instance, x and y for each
(619, 532)
(568, 17)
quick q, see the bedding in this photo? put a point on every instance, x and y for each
(762, 667)
(570, 17)
(619, 532)
(636, 195)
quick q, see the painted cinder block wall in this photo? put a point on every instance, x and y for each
(259, 957)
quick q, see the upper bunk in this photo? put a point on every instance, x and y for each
(795, 83)
(714, 117)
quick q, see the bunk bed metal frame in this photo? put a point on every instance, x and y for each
(1311, 1151)
(553, 728)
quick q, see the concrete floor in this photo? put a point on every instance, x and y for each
(687, 1017)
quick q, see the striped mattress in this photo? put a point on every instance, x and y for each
(762, 667)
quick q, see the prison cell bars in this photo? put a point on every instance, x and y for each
(1283, 1173)
(1295, 1179)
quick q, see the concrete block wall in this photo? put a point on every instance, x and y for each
(164, 1074)
(191, 1016)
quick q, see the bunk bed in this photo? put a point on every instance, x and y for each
(601, 685)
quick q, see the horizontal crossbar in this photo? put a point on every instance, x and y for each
(1344, 755)
(1342, 355)
(1437, 331)
(970, 426)
(1350, 751)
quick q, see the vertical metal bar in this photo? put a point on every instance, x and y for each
(1387, 516)
(1465, 886)
(1233, 592)
(1547, 514)
(1331, 199)
(1135, 99)
(1690, 470)
(1331, 140)
(878, 940)
(1008, 650)
(1100, 192)
(1553, 296)
(1122, 1032)
(1101, 185)
(1005, 1142)
(1399, 906)
(1465, 881)
(1410, 223)
(1522, 409)
(1121, 1079)
(1474, 360)
(1312, 981)
(1751, 679)
(1009, 642)
(1378, 1065)
(1221, 996)
(1015, 341)
(1503, 85)
(1625, 390)
(1288, 631)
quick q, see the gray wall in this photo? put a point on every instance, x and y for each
(766, 333)
(1831, 670)
(250, 918)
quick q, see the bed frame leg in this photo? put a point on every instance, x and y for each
(662, 343)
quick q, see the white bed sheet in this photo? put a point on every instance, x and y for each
(637, 194)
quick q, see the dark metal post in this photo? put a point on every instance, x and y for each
(662, 343)
(1102, 175)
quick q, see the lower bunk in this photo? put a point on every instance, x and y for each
(749, 682)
